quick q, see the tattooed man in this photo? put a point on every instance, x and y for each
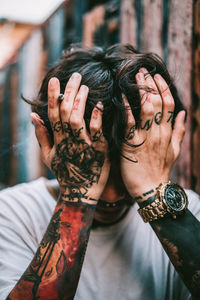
(110, 125)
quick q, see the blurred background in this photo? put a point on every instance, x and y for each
(33, 35)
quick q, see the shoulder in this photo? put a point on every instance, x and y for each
(26, 205)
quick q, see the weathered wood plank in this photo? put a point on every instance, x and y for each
(180, 65)
(91, 21)
(196, 98)
(128, 28)
(152, 23)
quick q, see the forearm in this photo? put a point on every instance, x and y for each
(55, 269)
(181, 241)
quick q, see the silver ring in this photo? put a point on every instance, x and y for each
(60, 98)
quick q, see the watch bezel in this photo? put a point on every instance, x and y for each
(162, 191)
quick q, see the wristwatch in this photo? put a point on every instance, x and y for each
(170, 200)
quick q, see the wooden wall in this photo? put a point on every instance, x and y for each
(166, 28)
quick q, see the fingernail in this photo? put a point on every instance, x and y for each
(53, 82)
(36, 119)
(84, 88)
(143, 70)
(75, 76)
(99, 105)
(140, 76)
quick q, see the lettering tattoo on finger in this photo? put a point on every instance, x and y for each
(56, 127)
(77, 132)
(158, 117)
(131, 133)
(171, 114)
(67, 128)
(97, 136)
(147, 125)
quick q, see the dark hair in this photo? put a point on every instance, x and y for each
(108, 73)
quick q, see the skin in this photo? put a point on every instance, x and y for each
(86, 180)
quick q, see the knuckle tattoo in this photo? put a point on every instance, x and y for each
(56, 127)
(131, 133)
(158, 118)
(147, 125)
(97, 136)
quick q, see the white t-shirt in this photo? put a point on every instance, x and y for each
(124, 261)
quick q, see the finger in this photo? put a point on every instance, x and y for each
(131, 124)
(77, 115)
(154, 96)
(42, 136)
(53, 108)
(96, 127)
(70, 93)
(147, 110)
(167, 100)
(178, 132)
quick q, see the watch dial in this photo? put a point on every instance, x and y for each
(174, 196)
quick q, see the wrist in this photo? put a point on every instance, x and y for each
(80, 194)
(144, 194)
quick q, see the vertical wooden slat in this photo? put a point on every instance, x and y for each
(14, 80)
(196, 98)
(180, 65)
(29, 67)
(128, 28)
(91, 21)
(151, 40)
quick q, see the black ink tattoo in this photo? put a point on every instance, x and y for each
(36, 271)
(131, 133)
(76, 132)
(181, 241)
(148, 193)
(147, 125)
(171, 114)
(137, 198)
(158, 118)
(77, 166)
(57, 127)
(97, 136)
(67, 128)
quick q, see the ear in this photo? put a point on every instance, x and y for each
(42, 136)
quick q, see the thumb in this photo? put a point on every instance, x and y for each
(42, 136)
(178, 132)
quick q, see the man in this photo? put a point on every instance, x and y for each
(110, 129)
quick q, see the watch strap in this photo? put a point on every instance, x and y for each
(153, 211)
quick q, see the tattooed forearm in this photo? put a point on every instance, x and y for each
(55, 270)
(181, 241)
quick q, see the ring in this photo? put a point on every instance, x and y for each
(60, 98)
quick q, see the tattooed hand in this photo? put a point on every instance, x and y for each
(150, 149)
(78, 159)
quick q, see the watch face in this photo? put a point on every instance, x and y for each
(175, 197)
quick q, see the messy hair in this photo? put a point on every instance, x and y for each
(108, 73)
